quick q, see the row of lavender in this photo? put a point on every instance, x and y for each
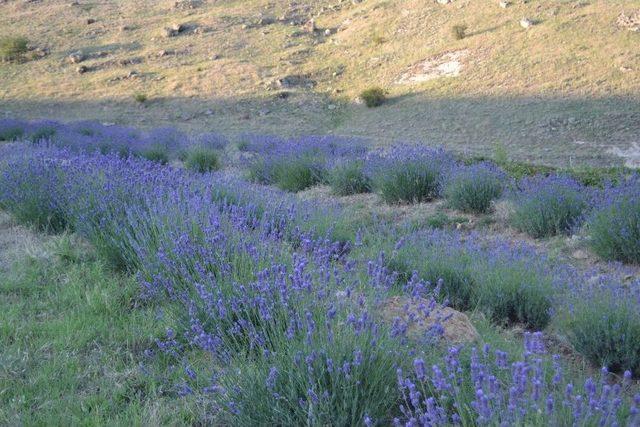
(289, 317)
(543, 205)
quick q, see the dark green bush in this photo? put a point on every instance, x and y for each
(201, 159)
(413, 182)
(11, 133)
(548, 206)
(349, 178)
(459, 31)
(473, 188)
(13, 48)
(156, 154)
(605, 328)
(373, 97)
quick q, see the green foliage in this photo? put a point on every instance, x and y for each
(202, 159)
(11, 133)
(13, 48)
(412, 182)
(72, 307)
(606, 329)
(615, 230)
(269, 391)
(44, 133)
(474, 192)
(459, 31)
(373, 97)
(349, 178)
(156, 154)
(140, 98)
(514, 294)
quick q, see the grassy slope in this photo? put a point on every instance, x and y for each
(537, 91)
(72, 339)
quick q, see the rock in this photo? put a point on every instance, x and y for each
(91, 21)
(162, 53)
(327, 32)
(629, 22)
(187, 4)
(504, 4)
(82, 69)
(124, 28)
(215, 56)
(422, 318)
(579, 254)
(444, 1)
(173, 30)
(310, 26)
(332, 107)
(526, 23)
(76, 58)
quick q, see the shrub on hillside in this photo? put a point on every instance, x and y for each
(348, 178)
(409, 174)
(157, 154)
(373, 97)
(459, 31)
(605, 328)
(11, 130)
(140, 98)
(13, 48)
(473, 188)
(615, 226)
(548, 206)
(201, 159)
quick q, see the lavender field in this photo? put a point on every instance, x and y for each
(266, 303)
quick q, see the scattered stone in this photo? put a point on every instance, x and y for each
(282, 95)
(91, 21)
(39, 52)
(504, 4)
(132, 74)
(629, 22)
(422, 318)
(526, 23)
(310, 26)
(293, 81)
(82, 69)
(162, 53)
(126, 28)
(332, 107)
(215, 56)
(76, 58)
(444, 1)
(327, 32)
(580, 254)
(187, 4)
(173, 30)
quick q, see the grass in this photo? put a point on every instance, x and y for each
(13, 48)
(201, 159)
(474, 188)
(140, 98)
(615, 230)
(72, 336)
(156, 154)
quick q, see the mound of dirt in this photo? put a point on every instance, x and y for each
(448, 64)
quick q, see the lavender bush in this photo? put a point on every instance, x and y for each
(409, 174)
(473, 188)
(348, 177)
(547, 206)
(615, 225)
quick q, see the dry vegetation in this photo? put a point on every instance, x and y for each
(564, 89)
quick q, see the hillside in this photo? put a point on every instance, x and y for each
(564, 90)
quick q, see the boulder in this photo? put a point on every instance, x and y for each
(422, 318)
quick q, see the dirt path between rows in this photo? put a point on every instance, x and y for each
(15, 240)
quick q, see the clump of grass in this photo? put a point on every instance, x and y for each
(548, 206)
(297, 174)
(349, 178)
(605, 328)
(373, 97)
(615, 226)
(156, 154)
(43, 133)
(473, 188)
(13, 48)
(202, 159)
(459, 31)
(140, 98)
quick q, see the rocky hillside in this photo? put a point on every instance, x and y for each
(556, 81)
